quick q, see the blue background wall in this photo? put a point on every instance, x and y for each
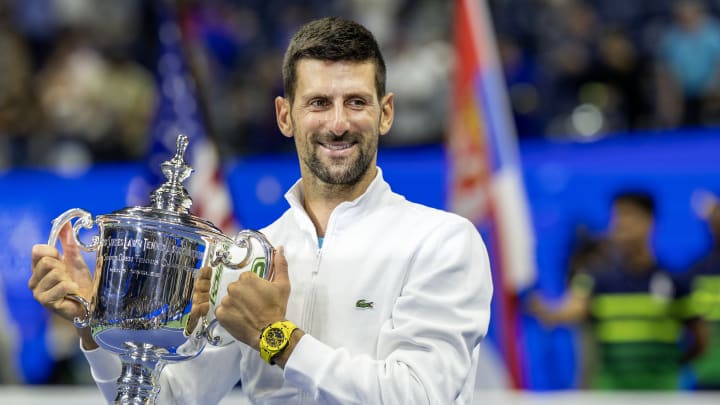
(568, 184)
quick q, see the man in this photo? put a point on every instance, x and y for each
(705, 282)
(637, 308)
(385, 301)
(687, 66)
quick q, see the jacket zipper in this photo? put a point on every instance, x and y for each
(309, 309)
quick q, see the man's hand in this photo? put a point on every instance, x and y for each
(200, 299)
(55, 276)
(253, 303)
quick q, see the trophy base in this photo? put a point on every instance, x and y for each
(138, 383)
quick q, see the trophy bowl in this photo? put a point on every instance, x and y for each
(148, 260)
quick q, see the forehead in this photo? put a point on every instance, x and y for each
(715, 212)
(630, 209)
(323, 76)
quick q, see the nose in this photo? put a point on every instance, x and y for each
(340, 123)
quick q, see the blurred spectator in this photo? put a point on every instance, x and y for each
(524, 78)
(8, 343)
(20, 117)
(100, 103)
(417, 57)
(567, 48)
(619, 76)
(638, 309)
(688, 67)
(705, 275)
(588, 252)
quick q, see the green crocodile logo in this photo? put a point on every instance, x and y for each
(364, 304)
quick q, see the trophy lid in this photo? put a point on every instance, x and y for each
(170, 203)
(171, 195)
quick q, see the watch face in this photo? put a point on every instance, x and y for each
(274, 337)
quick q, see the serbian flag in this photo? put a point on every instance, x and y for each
(485, 177)
(179, 111)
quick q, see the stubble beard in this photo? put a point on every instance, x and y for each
(340, 172)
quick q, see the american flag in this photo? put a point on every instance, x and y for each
(179, 112)
(486, 183)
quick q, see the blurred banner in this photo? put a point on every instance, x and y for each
(486, 183)
(180, 111)
(567, 184)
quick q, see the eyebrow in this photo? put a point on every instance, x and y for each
(364, 95)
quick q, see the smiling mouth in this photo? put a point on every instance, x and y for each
(337, 146)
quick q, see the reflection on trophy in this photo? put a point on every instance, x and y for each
(148, 262)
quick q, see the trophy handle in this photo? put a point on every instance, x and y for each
(211, 337)
(243, 239)
(264, 269)
(84, 321)
(85, 221)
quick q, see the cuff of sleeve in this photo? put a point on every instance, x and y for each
(104, 365)
(304, 366)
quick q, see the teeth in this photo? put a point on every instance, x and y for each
(337, 147)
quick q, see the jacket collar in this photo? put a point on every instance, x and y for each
(377, 194)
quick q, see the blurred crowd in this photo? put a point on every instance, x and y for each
(78, 78)
(609, 66)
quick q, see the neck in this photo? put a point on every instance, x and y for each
(320, 199)
(642, 259)
(639, 257)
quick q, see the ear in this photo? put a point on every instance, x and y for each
(282, 115)
(387, 113)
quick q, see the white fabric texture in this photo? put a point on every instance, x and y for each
(425, 280)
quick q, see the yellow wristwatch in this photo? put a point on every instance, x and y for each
(275, 338)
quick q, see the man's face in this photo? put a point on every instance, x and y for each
(336, 119)
(630, 225)
(714, 219)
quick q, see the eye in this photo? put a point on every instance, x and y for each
(356, 102)
(318, 102)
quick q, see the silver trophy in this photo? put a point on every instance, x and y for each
(148, 260)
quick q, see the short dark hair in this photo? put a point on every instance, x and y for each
(639, 198)
(332, 39)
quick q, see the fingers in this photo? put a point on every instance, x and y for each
(52, 294)
(248, 285)
(50, 282)
(205, 272)
(52, 289)
(43, 264)
(40, 251)
(280, 266)
(247, 288)
(51, 275)
(201, 290)
(203, 282)
(200, 306)
(201, 296)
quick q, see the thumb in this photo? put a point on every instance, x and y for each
(280, 266)
(71, 250)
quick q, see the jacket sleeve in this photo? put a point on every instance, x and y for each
(105, 369)
(427, 349)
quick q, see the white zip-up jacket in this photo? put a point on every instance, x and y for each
(393, 305)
